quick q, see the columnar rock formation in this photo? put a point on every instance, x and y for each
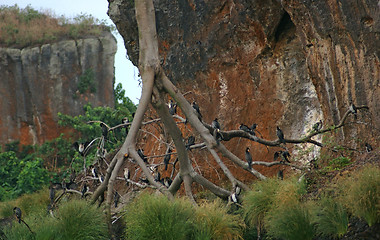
(286, 63)
(39, 82)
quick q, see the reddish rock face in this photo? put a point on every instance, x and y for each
(39, 82)
(274, 63)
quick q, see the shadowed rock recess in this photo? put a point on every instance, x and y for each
(285, 63)
(39, 82)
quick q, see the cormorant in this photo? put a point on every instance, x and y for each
(215, 124)
(248, 158)
(94, 171)
(172, 107)
(317, 126)
(104, 130)
(156, 175)
(167, 182)
(280, 174)
(101, 178)
(18, 213)
(84, 190)
(245, 128)
(280, 135)
(368, 147)
(354, 110)
(286, 156)
(141, 154)
(127, 175)
(116, 198)
(125, 121)
(196, 108)
(167, 158)
(190, 142)
(80, 147)
(254, 126)
(237, 190)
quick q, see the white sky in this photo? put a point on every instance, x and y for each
(125, 72)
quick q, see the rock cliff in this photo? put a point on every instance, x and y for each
(39, 82)
(283, 63)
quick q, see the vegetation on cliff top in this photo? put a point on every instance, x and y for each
(26, 27)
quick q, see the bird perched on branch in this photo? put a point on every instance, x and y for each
(157, 175)
(104, 130)
(280, 135)
(285, 155)
(172, 107)
(18, 213)
(127, 175)
(215, 124)
(94, 171)
(167, 158)
(354, 110)
(317, 126)
(81, 147)
(84, 190)
(167, 182)
(125, 121)
(141, 154)
(245, 128)
(190, 142)
(248, 158)
(196, 108)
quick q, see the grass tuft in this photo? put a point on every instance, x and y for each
(361, 194)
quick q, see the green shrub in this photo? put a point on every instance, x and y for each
(157, 218)
(361, 194)
(330, 218)
(87, 82)
(213, 222)
(258, 201)
(290, 221)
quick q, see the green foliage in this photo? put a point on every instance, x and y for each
(259, 201)
(88, 222)
(290, 221)
(157, 218)
(338, 163)
(361, 194)
(87, 82)
(330, 218)
(213, 222)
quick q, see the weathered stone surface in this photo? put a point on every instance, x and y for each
(38, 82)
(285, 63)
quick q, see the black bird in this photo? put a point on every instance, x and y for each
(157, 175)
(172, 107)
(280, 135)
(167, 182)
(18, 213)
(84, 190)
(167, 158)
(317, 126)
(104, 130)
(280, 174)
(368, 147)
(237, 190)
(116, 198)
(245, 128)
(127, 175)
(215, 124)
(196, 108)
(141, 154)
(101, 178)
(354, 110)
(94, 171)
(286, 156)
(144, 180)
(125, 121)
(81, 147)
(248, 158)
(190, 142)
(254, 126)
(276, 155)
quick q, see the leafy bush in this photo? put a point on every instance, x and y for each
(87, 81)
(157, 218)
(213, 222)
(361, 194)
(330, 218)
(290, 221)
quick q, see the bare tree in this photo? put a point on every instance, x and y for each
(155, 89)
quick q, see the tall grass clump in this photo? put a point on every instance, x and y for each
(212, 221)
(361, 194)
(330, 218)
(259, 201)
(290, 221)
(74, 220)
(157, 218)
